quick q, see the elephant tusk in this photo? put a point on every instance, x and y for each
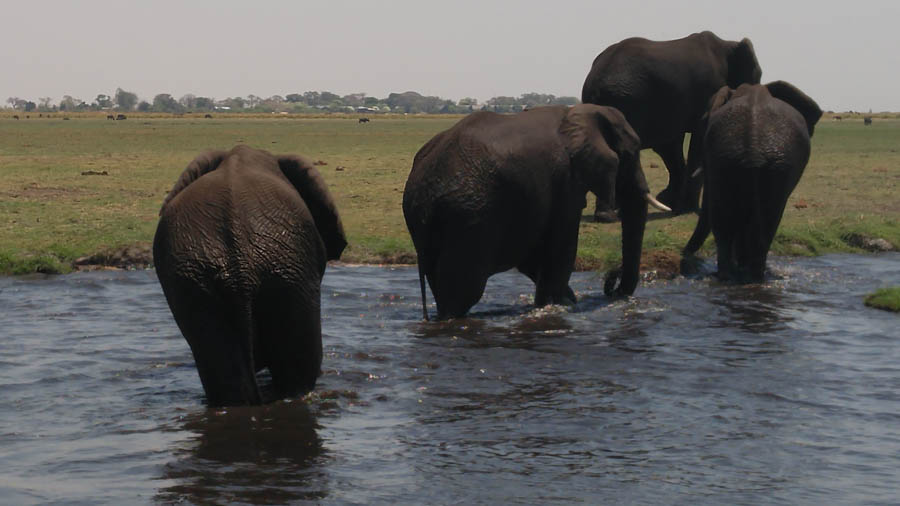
(697, 172)
(655, 203)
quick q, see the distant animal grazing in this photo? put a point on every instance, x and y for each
(663, 89)
(867, 120)
(15, 116)
(120, 117)
(838, 118)
(240, 250)
(110, 116)
(756, 146)
(363, 120)
(208, 116)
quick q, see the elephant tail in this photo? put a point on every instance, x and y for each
(421, 265)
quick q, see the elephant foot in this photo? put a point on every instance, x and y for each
(690, 265)
(608, 216)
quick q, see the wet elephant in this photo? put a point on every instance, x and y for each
(756, 146)
(240, 250)
(497, 191)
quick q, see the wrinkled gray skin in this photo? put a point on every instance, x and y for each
(240, 250)
(497, 191)
(663, 88)
(757, 144)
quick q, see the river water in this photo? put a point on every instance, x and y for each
(692, 391)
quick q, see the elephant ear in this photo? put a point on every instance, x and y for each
(310, 185)
(596, 139)
(204, 163)
(743, 67)
(805, 105)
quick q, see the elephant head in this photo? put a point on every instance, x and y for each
(743, 66)
(309, 183)
(605, 154)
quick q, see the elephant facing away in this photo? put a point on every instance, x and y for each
(240, 251)
(663, 88)
(496, 192)
(756, 146)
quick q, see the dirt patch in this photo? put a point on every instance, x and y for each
(138, 256)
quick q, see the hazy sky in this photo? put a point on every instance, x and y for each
(842, 53)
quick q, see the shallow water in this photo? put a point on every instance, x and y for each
(691, 391)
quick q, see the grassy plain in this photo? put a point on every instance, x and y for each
(885, 298)
(53, 211)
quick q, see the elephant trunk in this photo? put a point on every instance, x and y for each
(631, 192)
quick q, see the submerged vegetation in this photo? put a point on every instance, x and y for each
(87, 191)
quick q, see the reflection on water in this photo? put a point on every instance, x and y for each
(254, 455)
(690, 391)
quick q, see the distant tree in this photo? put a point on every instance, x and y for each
(144, 106)
(68, 103)
(468, 102)
(233, 103)
(30, 106)
(252, 101)
(44, 103)
(188, 101)
(566, 100)
(312, 98)
(294, 98)
(354, 99)
(371, 101)
(103, 101)
(328, 98)
(165, 103)
(205, 103)
(16, 102)
(125, 100)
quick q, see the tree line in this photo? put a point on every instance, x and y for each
(409, 102)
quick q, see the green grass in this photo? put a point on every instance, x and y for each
(51, 214)
(885, 298)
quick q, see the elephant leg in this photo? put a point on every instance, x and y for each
(558, 252)
(218, 333)
(672, 154)
(701, 231)
(289, 330)
(690, 195)
(457, 279)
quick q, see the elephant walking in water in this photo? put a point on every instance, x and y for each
(756, 146)
(496, 192)
(240, 250)
(663, 88)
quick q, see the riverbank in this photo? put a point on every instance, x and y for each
(85, 193)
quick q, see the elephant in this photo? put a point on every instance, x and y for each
(498, 191)
(363, 120)
(240, 251)
(867, 120)
(662, 88)
(756, 146)
(110, 117)
(120, 117)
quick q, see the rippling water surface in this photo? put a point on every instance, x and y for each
(690, 391)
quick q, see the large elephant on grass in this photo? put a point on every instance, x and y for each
(663, 88)
(756, 146)
(240, 250)
(496, 192)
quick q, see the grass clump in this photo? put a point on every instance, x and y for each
(885, 298)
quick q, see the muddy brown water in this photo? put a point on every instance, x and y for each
(689, 392)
